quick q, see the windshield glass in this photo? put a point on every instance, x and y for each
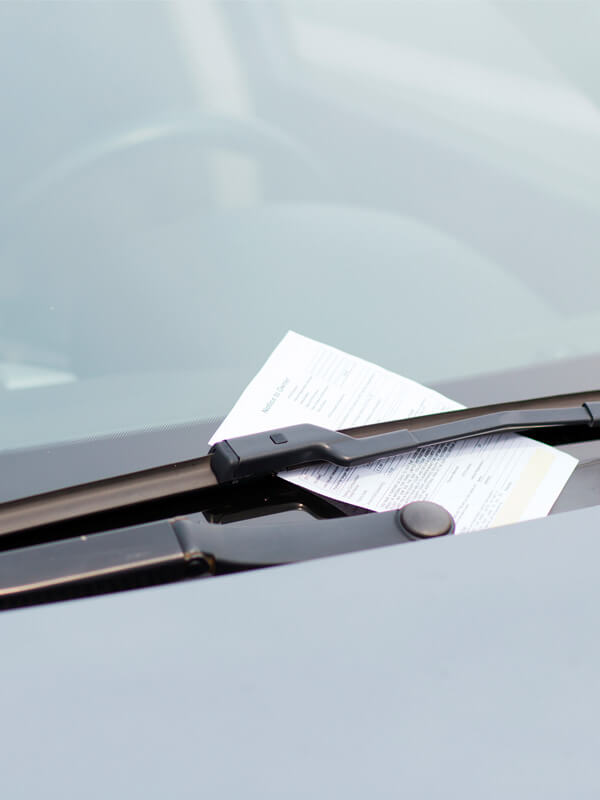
(415, 183)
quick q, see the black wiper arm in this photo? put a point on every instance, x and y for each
(188, 547)
(277, 450)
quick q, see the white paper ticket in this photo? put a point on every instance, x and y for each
(483, 482)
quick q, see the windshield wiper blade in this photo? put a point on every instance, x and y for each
(277, 450)
(224, 465)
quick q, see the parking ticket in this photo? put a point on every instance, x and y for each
(484, 482)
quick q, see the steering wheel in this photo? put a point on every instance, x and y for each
(280, 153)
(127, 182)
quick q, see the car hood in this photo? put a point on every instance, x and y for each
(468, 663)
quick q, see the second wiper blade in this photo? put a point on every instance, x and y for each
(273, 451)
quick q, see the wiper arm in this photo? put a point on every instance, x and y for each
(254, 456)
(191, 547)
(276, 450)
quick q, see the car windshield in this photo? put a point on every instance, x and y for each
(413, 182)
